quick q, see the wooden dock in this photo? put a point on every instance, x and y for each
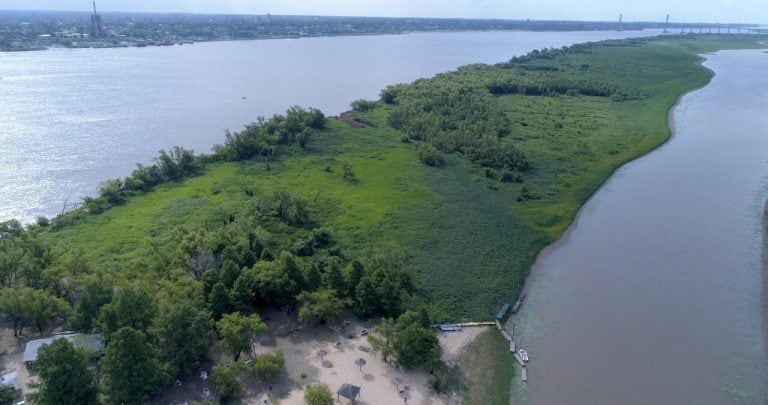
(519, 360)
(524, 374)
(466, 324)
(517, 305)
(512, 347)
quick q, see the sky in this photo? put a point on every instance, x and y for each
(714, 11)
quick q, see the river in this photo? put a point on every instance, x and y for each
(654, 294)
(70, 119)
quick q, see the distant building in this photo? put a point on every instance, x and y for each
(92, 344)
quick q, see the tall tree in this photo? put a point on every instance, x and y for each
(132, 306)
(384, 339)
(42, 307)
(319, 307)
(25, 305)
(183, 333)
(225, 379)
(13, 305)
(219, 301)
(95, 295)
(64, 376)
(238, 331)
(417, 347)
(131, 366)
(333, 277)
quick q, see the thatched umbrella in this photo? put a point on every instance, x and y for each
(360, 362)
(348, 391)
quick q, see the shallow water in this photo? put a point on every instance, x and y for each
(653, 297)
(70, 119)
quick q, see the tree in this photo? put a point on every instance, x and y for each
(355, 271)
(225, 380)
(132, 306)
(95, 295)
(13, 304)
(26, 305)
(131, 366)
(318, 395)
(183, 333)
(416, 347)
(238, 331)
(64, 375)
(366, 301)
(42, 307)
(384, 339)
(333, 277)
(229, 273)
(7, 396)
(319, 307)
(268, 366)
(219, 301)
(208, 280)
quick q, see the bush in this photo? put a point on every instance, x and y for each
(318, 395)
(362, 105)
(267, 366)
(429, 155)
(508, 176)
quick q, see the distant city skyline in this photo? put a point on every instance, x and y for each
(711, 11)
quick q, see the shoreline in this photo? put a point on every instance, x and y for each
(136, 43)
(565, 236)
(764, 275)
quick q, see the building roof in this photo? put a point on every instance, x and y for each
(10, 379)
(90, 343)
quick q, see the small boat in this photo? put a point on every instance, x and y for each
(523, 355)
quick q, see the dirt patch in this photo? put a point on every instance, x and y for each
(11, 353)
(454, 344)
(354, 121)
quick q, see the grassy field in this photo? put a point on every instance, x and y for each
(491, 368)
(468, 238)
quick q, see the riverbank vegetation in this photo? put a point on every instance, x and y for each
(433, 211)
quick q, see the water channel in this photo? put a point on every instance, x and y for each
(654, 294)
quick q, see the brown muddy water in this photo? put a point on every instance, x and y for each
(654, 295)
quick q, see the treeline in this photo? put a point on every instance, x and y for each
(549, 86)
(261, 139)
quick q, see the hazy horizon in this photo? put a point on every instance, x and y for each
(681, 11)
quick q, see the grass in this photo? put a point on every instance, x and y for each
(491, 368)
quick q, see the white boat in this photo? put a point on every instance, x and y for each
(523, 355)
